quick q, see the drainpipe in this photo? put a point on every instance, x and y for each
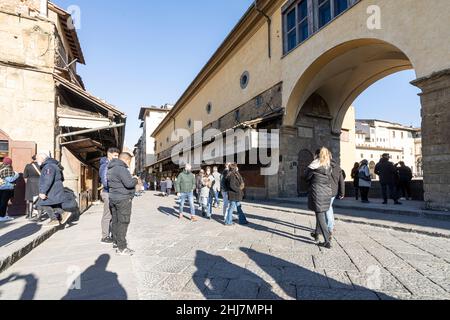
(269, 27)
(44, 8)
(58, 153)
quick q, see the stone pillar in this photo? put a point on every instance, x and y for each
(435, 99)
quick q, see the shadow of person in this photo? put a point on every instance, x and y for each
(303, 284)
(30, 285)
(217, 278)
(280, 222)
(19, 233)
(96, 283)
(168, 211)
(280, 233)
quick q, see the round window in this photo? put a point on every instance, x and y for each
(209, 108)
(245, 79)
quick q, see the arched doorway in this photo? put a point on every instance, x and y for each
(326, 90)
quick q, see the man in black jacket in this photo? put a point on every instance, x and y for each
(51, 190)
(387, 172)
(404, 183)
(338, 188)
(122, 188)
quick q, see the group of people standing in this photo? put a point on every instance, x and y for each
(207, 186)
(395, 180)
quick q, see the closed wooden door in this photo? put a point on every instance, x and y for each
(21, 153)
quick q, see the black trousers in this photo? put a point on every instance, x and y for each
(364, 193)
(392, 191)
(121, 216)
(322, 226)
(405, 189)
(5, 196)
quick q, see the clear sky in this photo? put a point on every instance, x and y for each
(147, 52)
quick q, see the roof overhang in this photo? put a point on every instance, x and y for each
(69, 32)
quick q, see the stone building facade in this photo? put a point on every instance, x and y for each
(43, 102)
(322, 55)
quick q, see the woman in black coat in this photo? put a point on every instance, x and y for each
(235, 185)
(32, 173)
(318, 175)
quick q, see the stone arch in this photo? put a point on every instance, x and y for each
(342, 73)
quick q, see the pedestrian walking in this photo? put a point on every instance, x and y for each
(236, 186)
(319, 176)
(198, 185)
(224, 189)
(338, 191)
(122, 188)
(169, 186)
(51, 190)
(365, 181)
(405, 177)
(216, 188)
(387, 173)
(31, 174)
(355, 177)
(7, 185)
(185, 186)
(106, 221)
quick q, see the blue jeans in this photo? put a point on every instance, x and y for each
(235, 205)
(187, 196)
(216, 197)
(330, 216)
(225, 203)
(210, 205)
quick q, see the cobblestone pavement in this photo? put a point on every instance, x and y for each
(271, 258)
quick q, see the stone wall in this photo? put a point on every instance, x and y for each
(27, 92)
(375, 192)
(435, 99)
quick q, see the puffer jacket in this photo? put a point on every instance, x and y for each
(51, 183)
(122, 186)
(9, 182)
(320, 191)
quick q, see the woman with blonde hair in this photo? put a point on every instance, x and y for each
(319, 175)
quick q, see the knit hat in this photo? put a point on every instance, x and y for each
(7, 161)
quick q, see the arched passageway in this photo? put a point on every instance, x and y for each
(331, 84)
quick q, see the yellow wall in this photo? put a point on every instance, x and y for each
(223, 90)
(408, 28)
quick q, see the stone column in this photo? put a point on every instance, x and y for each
(435, 99)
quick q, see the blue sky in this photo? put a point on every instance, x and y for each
(147, 52)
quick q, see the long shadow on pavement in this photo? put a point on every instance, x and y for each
(217, 278)
(30, 288)
(303, 284)
(19, 233)
(97, 283)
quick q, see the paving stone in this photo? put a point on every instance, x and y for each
(171, 265)
(311, 293)
(241, 289)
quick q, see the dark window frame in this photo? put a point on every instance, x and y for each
(312, 19)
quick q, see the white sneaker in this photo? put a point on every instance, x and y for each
(3, 219)
(6, 219)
